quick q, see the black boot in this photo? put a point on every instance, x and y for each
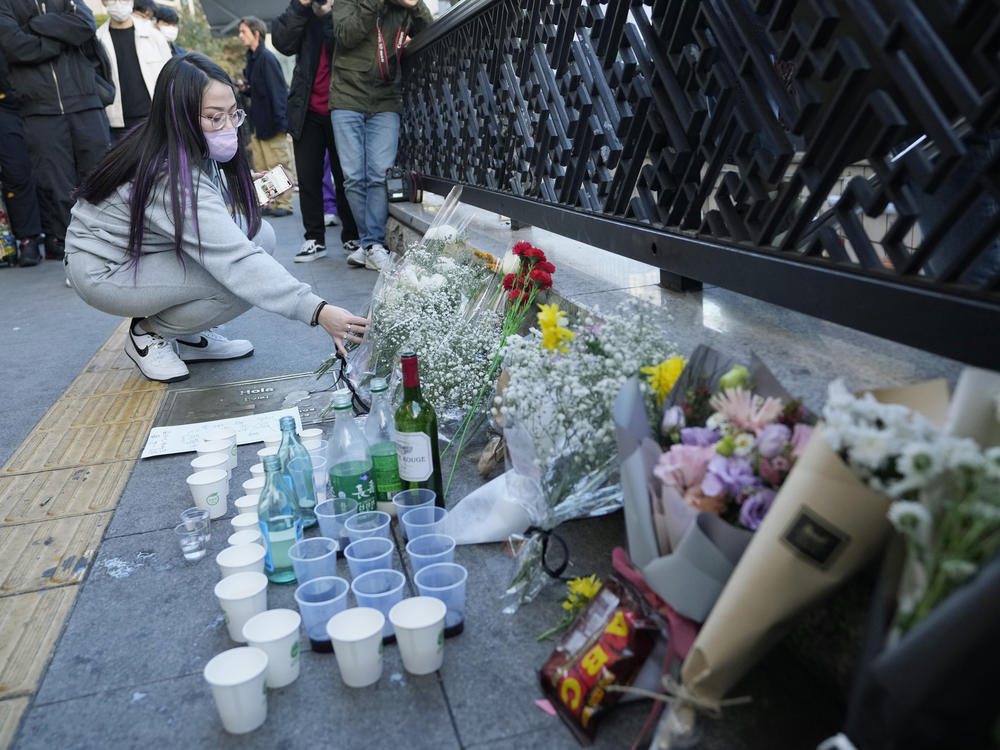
(29, 252)
(55, 248)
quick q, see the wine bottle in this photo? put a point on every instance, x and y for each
(417, 435)
(280, 522)
(379, 431)
(348, 456)
(301, 486)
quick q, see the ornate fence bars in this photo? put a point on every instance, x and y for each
(837, 157)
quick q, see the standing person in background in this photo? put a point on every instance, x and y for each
(365, 98)
(18, 180)
(168, 24)
(306, 30)
(64, 122)
(144, 9)
(265, 85)
(137, 52)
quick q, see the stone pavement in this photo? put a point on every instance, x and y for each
(107, 649)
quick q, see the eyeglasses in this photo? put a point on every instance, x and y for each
(218, 120)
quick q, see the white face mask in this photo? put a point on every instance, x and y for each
(119, 11)
(170, 32)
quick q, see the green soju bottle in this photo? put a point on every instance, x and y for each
(348, 457)
(301, 486)
(379, 431)
(417, 435)
(280, 522)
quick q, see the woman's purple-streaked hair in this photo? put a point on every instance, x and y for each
(166, 148)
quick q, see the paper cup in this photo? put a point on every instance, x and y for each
(369, 523)
(240, 559)
(445, 581)
(311, 438)
(373, 553)
(210, 490)
(223, 435)
(419, 625)
(248, 520)
(426, 520)
(225, 447)
(271, 440)
(379, 589)
(356, 635)
(268, 450)
(237, 678)
(257, 470)
(430, 549)
(246, 536)
(252, 487)
(241, 596)
(211, 461)
(318, 601)
(276, 632)
(332, 515)
(247, 504)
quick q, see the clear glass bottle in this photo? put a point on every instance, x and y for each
(280, 522)
(380, 434)
(291, 448)
(348, 457)
(417, 435)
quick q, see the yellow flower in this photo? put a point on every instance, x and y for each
(584, 588)
(663, 376)
(554, 335)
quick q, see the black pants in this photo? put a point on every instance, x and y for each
(64, 148)
(317, 138)
(17, 177)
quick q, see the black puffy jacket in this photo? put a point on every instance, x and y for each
(44, 42)
(300, 32)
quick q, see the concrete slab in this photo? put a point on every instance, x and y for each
(47, 554)
(30, 624)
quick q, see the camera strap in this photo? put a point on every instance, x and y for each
(384, 69)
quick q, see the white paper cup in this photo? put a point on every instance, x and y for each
(419, 625)
(246, 536)
(237, 680)
(220, 446)
(311, 438)
(240, 559)
(252, 487)
(246, 520)
(247, 504)
(210, 490)
(207, 461)
(271, 441)
(356, 635)
(276, 632)
(241, 596)
(257, 470)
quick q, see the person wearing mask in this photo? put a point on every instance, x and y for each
(306, 31)
(168, 23)
(18, 179)
(366, 99)
(144, 9)
(137, 52)
(167, 232)
(64, 122)
(265, 85)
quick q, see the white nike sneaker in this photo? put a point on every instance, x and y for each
(376, 257)
(154, 356)
(212, 345)
(358, 258)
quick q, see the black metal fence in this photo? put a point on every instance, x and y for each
(837, 157)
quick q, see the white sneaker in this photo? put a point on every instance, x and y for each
(212, 345)
(358, 258)
(331, 220)
(154, 356)
(351, 247)
(311, 250)
(376, 258)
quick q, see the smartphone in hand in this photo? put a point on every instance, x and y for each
(271, 184)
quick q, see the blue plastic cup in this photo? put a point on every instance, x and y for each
(332, 515)
(370, 553)
(369, 523)
(314, 558)
(430, 549)
(445, 581)
(407, 500)
(318, 601)
(422, 521)
(380, 589)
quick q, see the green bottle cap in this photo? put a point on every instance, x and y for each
(379, 385)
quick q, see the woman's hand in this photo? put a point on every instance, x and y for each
(342, 326)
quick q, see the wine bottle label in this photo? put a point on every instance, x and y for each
(386, 471)
(414, 452)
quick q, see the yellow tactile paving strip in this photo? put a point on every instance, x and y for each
(57, 493)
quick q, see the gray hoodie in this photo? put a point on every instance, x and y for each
(242, 267)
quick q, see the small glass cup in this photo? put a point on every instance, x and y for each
(197, 519)
(192, 542)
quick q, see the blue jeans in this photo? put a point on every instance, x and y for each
(366, 144)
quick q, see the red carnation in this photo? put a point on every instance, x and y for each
(521, 248)
(508, 282)
(541, 278)
(515, 296)
(544, 265)
(535, 254)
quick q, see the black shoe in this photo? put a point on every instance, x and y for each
(55, 248)
(277, 212)
(28, 253)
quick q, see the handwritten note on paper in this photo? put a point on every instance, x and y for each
(183, 438)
